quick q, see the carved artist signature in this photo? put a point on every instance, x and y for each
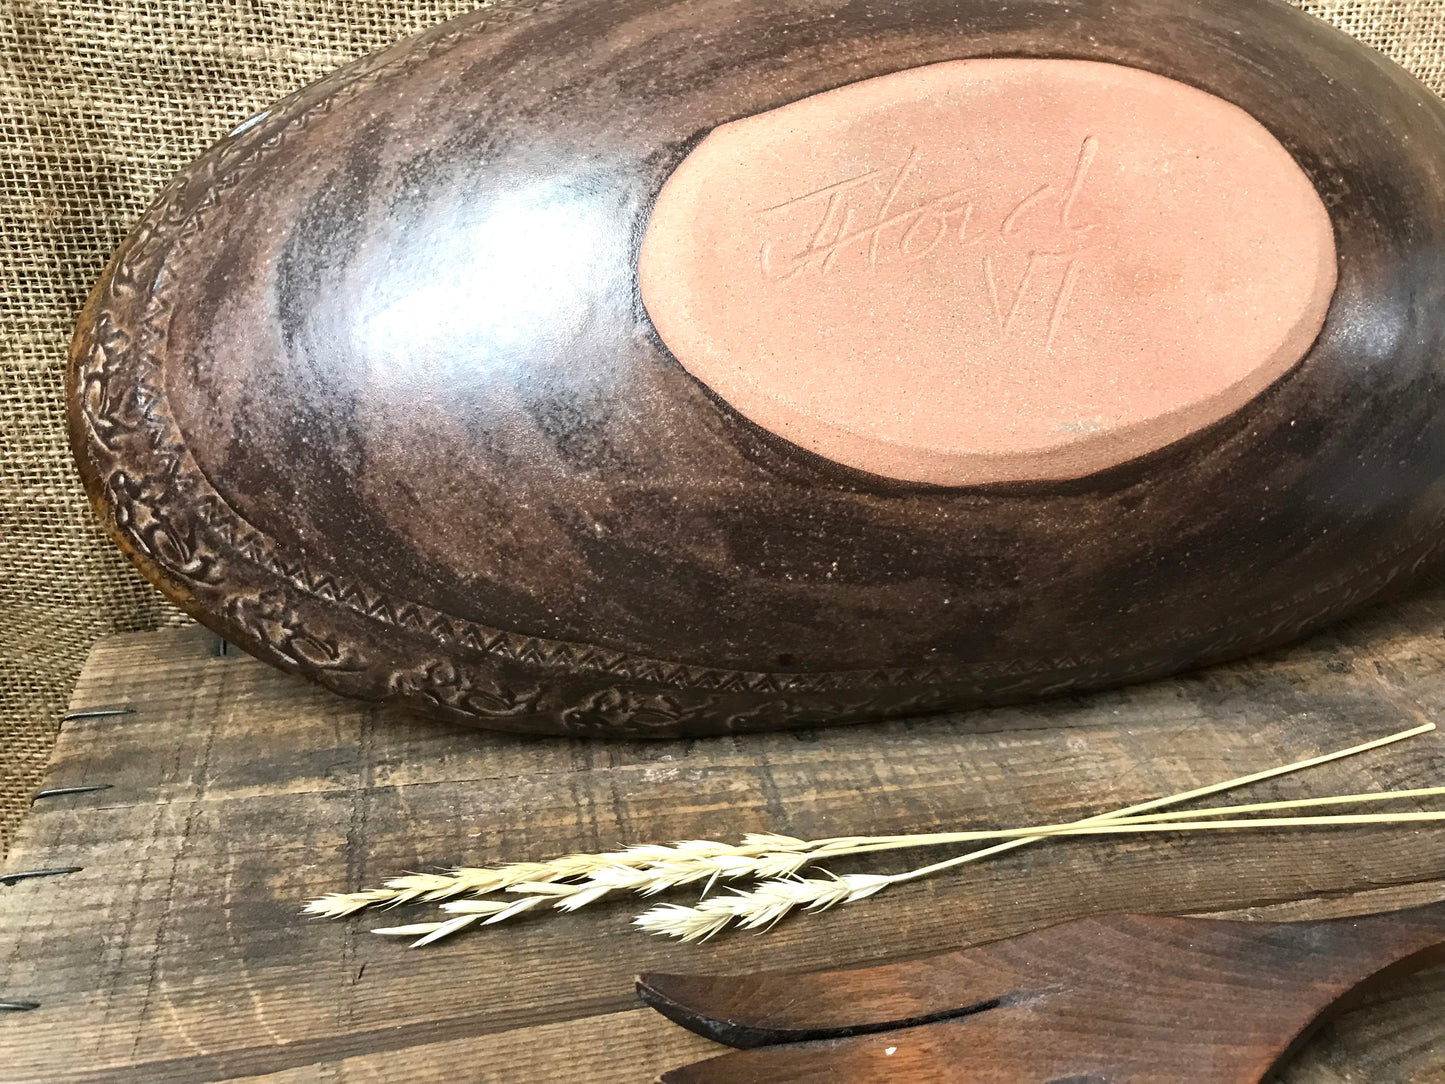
(860, 218)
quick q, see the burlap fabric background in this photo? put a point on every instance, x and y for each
(100, 102)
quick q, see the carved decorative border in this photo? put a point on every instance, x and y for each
(170, 515)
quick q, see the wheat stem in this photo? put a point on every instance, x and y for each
(771, 900)
(761, 855)
(1293, 803)
(572, 896)
(1028, 836)
(874, 844)
(711, 916)
(576, 880)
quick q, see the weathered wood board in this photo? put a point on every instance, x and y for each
(177, 954)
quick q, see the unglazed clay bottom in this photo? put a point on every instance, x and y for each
(990, 270)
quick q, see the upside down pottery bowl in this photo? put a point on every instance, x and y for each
(685, 366)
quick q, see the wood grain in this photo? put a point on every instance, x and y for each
(177, 954)
(1127, 999)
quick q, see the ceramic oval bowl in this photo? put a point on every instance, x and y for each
(647, 367)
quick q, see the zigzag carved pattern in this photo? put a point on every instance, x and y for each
(138, 429)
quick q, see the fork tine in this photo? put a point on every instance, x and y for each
(782, 1007)
(917, 1054)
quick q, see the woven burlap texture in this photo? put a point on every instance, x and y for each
(100, 103)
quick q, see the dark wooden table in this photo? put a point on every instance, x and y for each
(176, 952)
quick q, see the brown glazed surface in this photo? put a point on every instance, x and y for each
(371, 390)
(990, 270)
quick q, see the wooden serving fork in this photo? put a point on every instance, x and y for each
(1122, 999)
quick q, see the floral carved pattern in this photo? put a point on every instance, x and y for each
(357, 640)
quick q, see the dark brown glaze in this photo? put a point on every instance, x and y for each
(371, 391)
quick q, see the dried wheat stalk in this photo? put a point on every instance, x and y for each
(772, 900)
(781, 869)
(575, 881)
(480, 881)
(758, 855)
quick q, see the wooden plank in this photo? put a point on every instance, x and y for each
(177, 954)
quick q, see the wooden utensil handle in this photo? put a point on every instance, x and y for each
(1124, 999)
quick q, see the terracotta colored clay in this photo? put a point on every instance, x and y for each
(990, 270)
(373, 389)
